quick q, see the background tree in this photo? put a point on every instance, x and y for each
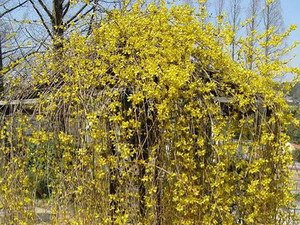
(57, 18)
(254, 11)
(6, 36)
(234, 20)
(220, 12)
(273, 24)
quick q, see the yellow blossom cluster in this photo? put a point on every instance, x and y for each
(148, 121)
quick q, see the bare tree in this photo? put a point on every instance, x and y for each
(220, 13)
(220, 7)
(6, 8)
(252, 27)
(234, 19)
(273, 23)
(58, 17)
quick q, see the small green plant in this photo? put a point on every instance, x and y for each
(296, 155)
(297, 196)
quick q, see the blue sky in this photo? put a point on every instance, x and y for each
(291, 14)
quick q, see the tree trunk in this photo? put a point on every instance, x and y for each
(57, 23)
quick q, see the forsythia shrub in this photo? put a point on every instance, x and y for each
(148, 121)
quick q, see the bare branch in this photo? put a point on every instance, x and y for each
(14, 49)
(46, 10)
(76, 14)
(42, 18)
(13, 8)
(66, 8)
